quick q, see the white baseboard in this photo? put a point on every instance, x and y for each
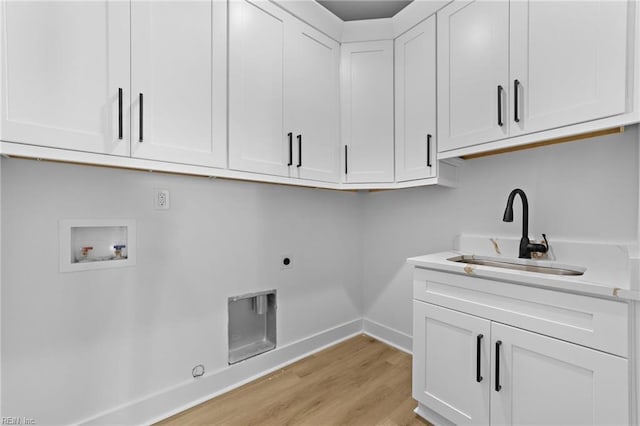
(193, 392)
(388, 335)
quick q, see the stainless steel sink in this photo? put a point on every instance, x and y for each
(543, 267)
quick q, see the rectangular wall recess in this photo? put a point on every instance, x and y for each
(252, 325)
(87, 244)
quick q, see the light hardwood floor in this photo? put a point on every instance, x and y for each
(357, 382)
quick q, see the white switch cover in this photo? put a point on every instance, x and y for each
(161, 199)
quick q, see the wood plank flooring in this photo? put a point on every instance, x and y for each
(360, 381)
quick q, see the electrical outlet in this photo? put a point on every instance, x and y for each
(286, 261)
(161, 199)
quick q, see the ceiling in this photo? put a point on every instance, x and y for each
(355, 10)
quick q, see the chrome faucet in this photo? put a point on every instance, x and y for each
(526, 247)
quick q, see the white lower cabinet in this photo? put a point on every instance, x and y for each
(544, 381)
(451, 353)
(471, 370)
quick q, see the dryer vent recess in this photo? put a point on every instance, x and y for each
(252, 325)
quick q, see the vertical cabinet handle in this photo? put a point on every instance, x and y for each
(500, 90)
(429, 150)
(299, 150)
(290, 136)
(478, 357)
(346, 160)
(498, 386)
(516, 114)
(141, 123)
(120, 124)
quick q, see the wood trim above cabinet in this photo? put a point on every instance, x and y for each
(571, 138)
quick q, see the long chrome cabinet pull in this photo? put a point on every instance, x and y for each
(478, 357)
(290, 136)
(141, 138)
(498, 385)
(516, 114)
(429, 150)
(346, 160)
(299, 151)
(500, 90)
(120, 126)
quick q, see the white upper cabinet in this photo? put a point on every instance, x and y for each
(367, 111)
(312, 102)
(415, 79)
(283, 94)
(66, 75)
(178, 80)
(473, 73)
(512, 68)
(568, 62)
(257, 140)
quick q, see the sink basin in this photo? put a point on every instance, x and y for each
(542, 267)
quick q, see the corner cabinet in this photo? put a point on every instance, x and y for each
(415, 90)
(367, 111)
(511, 68)
(283, 94)
(312, 103)
(66, 75)
(493, 353)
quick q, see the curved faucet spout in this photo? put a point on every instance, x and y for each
(525, 252)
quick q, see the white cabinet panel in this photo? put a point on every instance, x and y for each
(179, 75)
(415, 74)
(569, 61)
(446, 375)
(64, 63)
(257, 140)
(367, 108)
(473, 73)
(312, 102)
(546, 381)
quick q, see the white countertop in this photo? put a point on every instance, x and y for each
(611, 269)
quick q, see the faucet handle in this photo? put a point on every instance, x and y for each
(539, 251)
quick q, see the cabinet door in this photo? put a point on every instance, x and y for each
(415, 53)
(545, 381)
(451, 363)
(63, 66)
(312, 102)
(367, 108)
(569, 61)
(178, 80)
(473, 73)
(257, 140)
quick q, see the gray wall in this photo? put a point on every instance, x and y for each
(584, 190)
(76, 344)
